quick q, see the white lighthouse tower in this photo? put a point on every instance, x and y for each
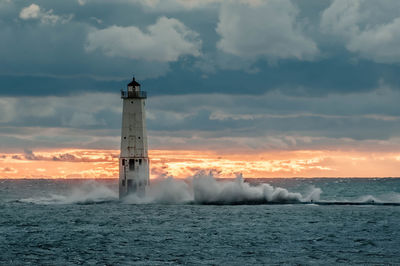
(134, 160)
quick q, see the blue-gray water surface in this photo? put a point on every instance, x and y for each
(77, 222)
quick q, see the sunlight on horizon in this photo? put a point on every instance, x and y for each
(80, 163)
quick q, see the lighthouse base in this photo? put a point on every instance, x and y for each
(134, 176)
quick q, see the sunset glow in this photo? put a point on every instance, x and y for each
(79, 163)
(253, 88)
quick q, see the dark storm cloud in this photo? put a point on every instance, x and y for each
(312, 79)
(320, 71)
(93, 120)
(302, 78)
(88, 111)
(42, 86)
(55, 50)
(355, 117)
(49, 58)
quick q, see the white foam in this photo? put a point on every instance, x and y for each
(166, 191)
(202, 190)
(207, 190)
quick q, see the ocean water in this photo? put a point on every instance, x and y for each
(201, 221)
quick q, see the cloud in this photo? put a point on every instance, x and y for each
(57, 49)
(62, 65)
(209, 121)
(184, 163)
(71, 156)
(82, 2)
(380, 44)
(83, 120)
(167, 5)
(341, 18)
(165, 41)
(30, 12)
(29, 155)
(47, 17)
(263, 29)
(221, 119)
(9, 170)
(173, 5)
(7, 109)
(370, 29)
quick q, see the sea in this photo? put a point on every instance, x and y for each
(201, 221)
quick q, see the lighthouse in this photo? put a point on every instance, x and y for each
(134, 160)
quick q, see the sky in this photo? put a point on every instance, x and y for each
(273, 88)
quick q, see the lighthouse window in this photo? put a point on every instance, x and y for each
(123, 162)
(131, 164)
(123, 183)
(140, 161)
(131, 101)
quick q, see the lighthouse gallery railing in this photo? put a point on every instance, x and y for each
(133, 94)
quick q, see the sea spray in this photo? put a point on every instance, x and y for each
(166, 191)
(88, 192)
(204, 190)
(208, 190)
(313, 194)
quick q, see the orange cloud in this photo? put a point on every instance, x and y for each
(79, 163)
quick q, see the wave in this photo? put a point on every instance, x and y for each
(203, 190)
(363, 200)
(86, 193)
(207, 190)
